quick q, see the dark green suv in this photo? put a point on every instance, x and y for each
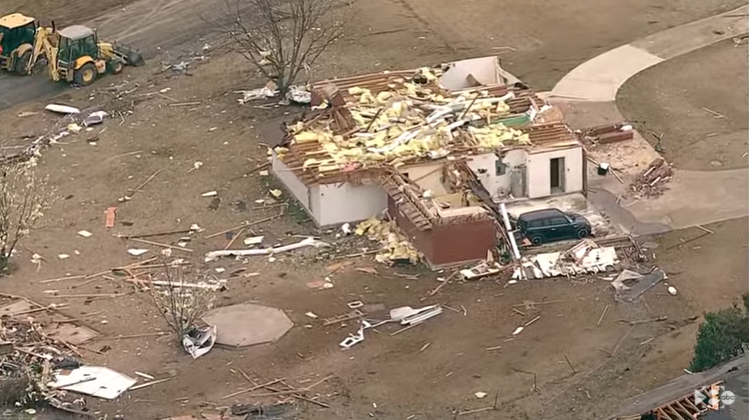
(549, 225)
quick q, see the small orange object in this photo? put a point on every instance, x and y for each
(110, 217)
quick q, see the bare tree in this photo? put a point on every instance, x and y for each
(282, 37)
(182, 303)
(23, 197)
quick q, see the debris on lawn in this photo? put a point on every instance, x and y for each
(605, 134)
(404, 315)
(35, 359)
(395, 246)
(630, 285)
(584, 257)
(109, 219)
(85, 233)
(94, 118)
(62, 109)
(213, 255)
(199, 341)
(651, 182)
(136, 252)
(270, 90)
(482, 269)
(96, 381)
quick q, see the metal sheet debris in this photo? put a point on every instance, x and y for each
(199, 341)
(641, 285)
(97, 381)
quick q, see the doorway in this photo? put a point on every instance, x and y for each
(556, 175)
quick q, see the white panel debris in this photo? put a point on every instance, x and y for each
(584, 258)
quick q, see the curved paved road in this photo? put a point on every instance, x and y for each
(693, 197)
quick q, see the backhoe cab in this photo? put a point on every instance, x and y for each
(81, 57)
(17, 33)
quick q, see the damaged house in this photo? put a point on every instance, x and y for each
(415, 143)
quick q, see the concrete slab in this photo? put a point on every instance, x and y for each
(576, 203)
(696, 198)
(247, 324)
(599, 79)
(692, 36)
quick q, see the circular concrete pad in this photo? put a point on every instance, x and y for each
(246, 324)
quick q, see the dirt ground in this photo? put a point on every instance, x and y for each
(698, 102)
(427, 372)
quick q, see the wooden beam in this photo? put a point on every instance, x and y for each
(662, 415)
(674, 412)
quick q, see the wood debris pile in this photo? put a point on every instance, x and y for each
(27, 358)
(395, 245)
(651, 182)
(406, 123)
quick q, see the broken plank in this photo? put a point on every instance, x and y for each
(146, 241)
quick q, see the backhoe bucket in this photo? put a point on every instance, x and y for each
(131, 55)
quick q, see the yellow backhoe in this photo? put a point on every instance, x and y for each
(75, 55)
(17, 36)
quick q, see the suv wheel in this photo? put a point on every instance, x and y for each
(582, 233)
(536, 240)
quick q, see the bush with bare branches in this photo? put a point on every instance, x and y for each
(180, 303)
(282, 38)
(23, 197)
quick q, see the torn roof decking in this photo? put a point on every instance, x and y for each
(543, 137)
(523, 101)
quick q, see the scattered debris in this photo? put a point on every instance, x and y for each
(368, 270)
(85, 233)
(275, 193)
(100, 382)
(209, 194)
(110, 217)
(395, 246)
(630, 285)
(199, 341)
(129, 196)
(135, 252)
(672, 291)
(584, 257)
(480, 395)
(62, 109)
(650, 182)
(483, 269)
(254, 240)
(298, 95)
(268, 251)
(355, 304)
(270, 90)
(94, 118)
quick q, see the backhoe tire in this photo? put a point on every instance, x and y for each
(21, 63)
(85, 75)
(117, 66)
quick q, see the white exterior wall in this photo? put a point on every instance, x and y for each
(485, 70)
(297, 188)
(538, 172)
(346, 202)
(489, 179)
(427, 176)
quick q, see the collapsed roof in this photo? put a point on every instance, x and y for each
(387, 120)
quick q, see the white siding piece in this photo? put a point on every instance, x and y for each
(347, 202)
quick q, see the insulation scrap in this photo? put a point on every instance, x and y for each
(395, 245)
(408, 122)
